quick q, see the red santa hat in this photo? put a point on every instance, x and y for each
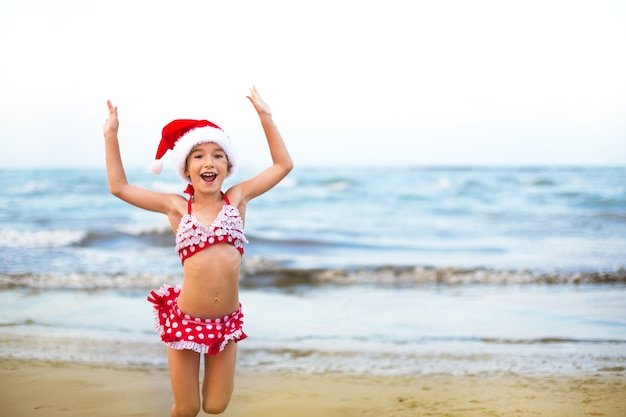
(181, 135)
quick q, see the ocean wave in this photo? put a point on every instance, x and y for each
(87, 281)
(260, 272)
(428, 340)
(338, 184)
(128, 237)
(55, 238)
(540, 182)
(393, 275)
(551, 341)
(325, 182)
(612, 216)
(142, 230)
(278, 241)
(42, 238)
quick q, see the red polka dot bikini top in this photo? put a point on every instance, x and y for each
(193, 236)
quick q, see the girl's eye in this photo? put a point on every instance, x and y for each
(219, 155)
(197, 156)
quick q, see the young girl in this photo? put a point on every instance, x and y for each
(203, 316)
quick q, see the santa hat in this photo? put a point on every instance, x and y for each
(180, 136)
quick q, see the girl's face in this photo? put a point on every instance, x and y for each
(207, 165)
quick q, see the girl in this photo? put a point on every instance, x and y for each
(203, 316)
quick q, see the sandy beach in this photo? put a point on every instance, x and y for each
(44, 388)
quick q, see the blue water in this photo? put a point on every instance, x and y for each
(395, 270)
(571, 219)
(363, 329)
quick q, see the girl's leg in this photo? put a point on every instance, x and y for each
(185, 375)
(219, 379)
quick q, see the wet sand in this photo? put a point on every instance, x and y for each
(44, 388)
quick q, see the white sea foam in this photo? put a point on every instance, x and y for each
(338, 185)
(87, 281)
(143, 229)
(39, 239)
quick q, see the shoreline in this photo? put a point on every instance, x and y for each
(65, 389)
(484, 358)
(475, 330)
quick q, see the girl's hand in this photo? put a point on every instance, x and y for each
(259, 105)
(112, 123)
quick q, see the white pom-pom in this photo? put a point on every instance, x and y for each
(157, 166)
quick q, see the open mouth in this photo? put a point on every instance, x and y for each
(208, 177)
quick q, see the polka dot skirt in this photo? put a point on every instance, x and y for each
(181, 331)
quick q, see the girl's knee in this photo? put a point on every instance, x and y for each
(185, 410)
(215, 407)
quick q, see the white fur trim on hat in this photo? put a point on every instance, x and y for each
(197, 136)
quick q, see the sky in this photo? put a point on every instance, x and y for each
(367, 83)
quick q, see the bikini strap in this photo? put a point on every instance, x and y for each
(189, 190)
(225, 198)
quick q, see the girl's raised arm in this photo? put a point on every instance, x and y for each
(281, 160)
(118, 184)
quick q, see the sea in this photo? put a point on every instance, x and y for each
(362, 270)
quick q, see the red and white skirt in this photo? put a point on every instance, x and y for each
(181, 331)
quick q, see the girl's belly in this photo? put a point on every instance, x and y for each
(211, 282)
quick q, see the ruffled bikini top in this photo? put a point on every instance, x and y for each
(193, 236)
